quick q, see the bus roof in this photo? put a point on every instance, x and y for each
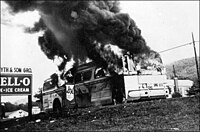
(86, 66)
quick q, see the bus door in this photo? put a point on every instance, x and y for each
(82, 88)
(48, 89)
(92, 87)
(101, 90)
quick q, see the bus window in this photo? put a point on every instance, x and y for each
(150, 87)
(78, 78)
(54, 79)
(48, 85)
(69, 76)
(83, 76)
(87, 75)
(155, 85)
(99, 72)
(144, 85)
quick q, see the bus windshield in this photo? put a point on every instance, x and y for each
(48, 85)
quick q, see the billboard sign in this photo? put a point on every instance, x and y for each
(15, 83)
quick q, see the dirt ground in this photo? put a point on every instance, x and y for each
(177, 114)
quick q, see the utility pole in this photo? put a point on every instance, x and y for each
(174, 71)
(176, 89)
(195, 57)
(0, 94)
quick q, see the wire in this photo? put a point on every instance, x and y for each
(176, 47)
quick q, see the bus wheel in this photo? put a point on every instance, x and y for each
(57, 108)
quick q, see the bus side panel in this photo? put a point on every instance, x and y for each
(48, 101)
(159, 92)
(145, 86)
(82, 95)
(152, 79)
(131, 87)
(96, 92)
(101, 92)
(154, 82)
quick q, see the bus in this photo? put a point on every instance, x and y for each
(93, 85)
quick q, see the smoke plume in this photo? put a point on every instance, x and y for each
(84, 29)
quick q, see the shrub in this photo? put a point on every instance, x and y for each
(193, 91)
(176, 95)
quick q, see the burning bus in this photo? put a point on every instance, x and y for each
(92, 84)
(76, 31)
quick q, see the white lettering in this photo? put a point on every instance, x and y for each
(9, 90)
(17, 70)
(26, 81)
(27, 70)
(10, 82)
(21, 90)
(3, 81)
(15, 81)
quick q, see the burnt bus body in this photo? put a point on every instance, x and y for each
(91, 85)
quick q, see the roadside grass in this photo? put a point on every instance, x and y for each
(176, 114)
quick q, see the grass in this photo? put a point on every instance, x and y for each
(177, 114)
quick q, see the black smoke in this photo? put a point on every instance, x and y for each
(84, 29)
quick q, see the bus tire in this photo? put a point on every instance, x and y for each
(57, 107)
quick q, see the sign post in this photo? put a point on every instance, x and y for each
(30, 106)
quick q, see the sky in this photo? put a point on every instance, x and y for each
(164, 25)
(167, 24)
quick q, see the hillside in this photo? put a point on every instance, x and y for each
(185, 69)
(173, 114)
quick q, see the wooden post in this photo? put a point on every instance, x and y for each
(195, 57)
(41, 100)
(0, 105)
(0, 98)
(174, 71)
(30, 106)
(0, 95)
(175, 81)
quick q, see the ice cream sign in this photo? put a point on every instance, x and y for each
(15, 81)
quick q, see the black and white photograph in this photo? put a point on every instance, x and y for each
(99, 65)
